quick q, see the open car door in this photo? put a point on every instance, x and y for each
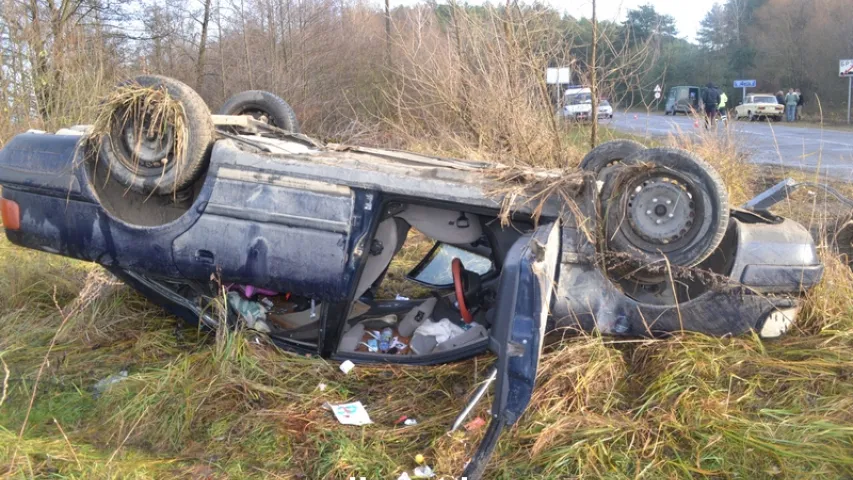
(524, 296)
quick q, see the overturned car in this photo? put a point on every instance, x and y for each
(639, 242)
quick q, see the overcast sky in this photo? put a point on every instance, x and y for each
(687, 13)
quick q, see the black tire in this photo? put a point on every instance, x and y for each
(144, 172)
(674, 170)
(263, 106)
(609, 153)
(843, 239)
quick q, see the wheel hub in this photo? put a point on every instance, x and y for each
(148, 147)
(661, 210)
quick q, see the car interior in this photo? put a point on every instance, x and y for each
(445, 302)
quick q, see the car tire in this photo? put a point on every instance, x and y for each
(843, 240)
(672, 174)
(609, 153)
(144, 171)
(264, 106)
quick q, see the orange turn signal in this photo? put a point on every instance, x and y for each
(10, 212)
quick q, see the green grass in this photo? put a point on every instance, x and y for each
(197, 405)
(228, 405)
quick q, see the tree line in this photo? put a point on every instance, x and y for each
(352, 68)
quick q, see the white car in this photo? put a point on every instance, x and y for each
(577, 103)
(605, 110)
(758, 106)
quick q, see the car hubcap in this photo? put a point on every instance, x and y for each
(661, 210)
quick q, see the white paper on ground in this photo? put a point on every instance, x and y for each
(351, 414)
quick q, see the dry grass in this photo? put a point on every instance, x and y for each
(150, 113)
(229, 406)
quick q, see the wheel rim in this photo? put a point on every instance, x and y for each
(661, 210)
(140, 148)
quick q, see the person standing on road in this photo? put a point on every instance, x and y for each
(791, 105)
(780, 97)
(800, 102)
(711, 99)
(723, 99)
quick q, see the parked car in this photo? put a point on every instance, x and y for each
(758, 106)
(605, 110)
(682, 99)
(303, 234)
(577, 105)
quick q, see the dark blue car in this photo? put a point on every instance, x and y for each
(641, 242)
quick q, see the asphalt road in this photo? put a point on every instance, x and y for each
(777, 144)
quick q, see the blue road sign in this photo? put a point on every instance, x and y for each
(744, 83)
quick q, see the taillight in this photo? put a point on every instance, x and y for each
(10, 212)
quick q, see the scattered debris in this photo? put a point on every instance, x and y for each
(401, 298)
(475, 424)
(347, 366)
(424, 471)
(321, 386)
(351, 414)
(410, 422)
(404, 476)
(254, 313)
(105, 383)
(419, 459)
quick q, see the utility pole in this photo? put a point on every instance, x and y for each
(593, 79)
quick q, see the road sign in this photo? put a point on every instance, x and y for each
(845, 68)
(657, 88)
(744, 84)
(558, 76)
(657, 95)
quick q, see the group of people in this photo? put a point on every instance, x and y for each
(793, 102)
(715, 103)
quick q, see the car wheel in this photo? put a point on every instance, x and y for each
(263, 106)
(150, 163)
(843, 240)
(672, 206)
(609, 153)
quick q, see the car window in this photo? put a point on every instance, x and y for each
(435, 269)
(578, 98)
(765, 99)
(605, 103)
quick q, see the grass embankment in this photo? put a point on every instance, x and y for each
(197, 405)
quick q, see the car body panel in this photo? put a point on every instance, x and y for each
(524, 297)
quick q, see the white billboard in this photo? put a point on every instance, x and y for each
(558, 76)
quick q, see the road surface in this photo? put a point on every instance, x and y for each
(776, 144)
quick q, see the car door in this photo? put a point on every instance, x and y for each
(524, 297)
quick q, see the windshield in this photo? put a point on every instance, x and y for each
(604, 103)
(578, 98)
(765, 99)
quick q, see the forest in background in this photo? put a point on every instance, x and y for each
(353, 69)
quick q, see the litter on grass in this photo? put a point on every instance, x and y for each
(347, 366)
(351, 414)
(475, 424)
(105, 383)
